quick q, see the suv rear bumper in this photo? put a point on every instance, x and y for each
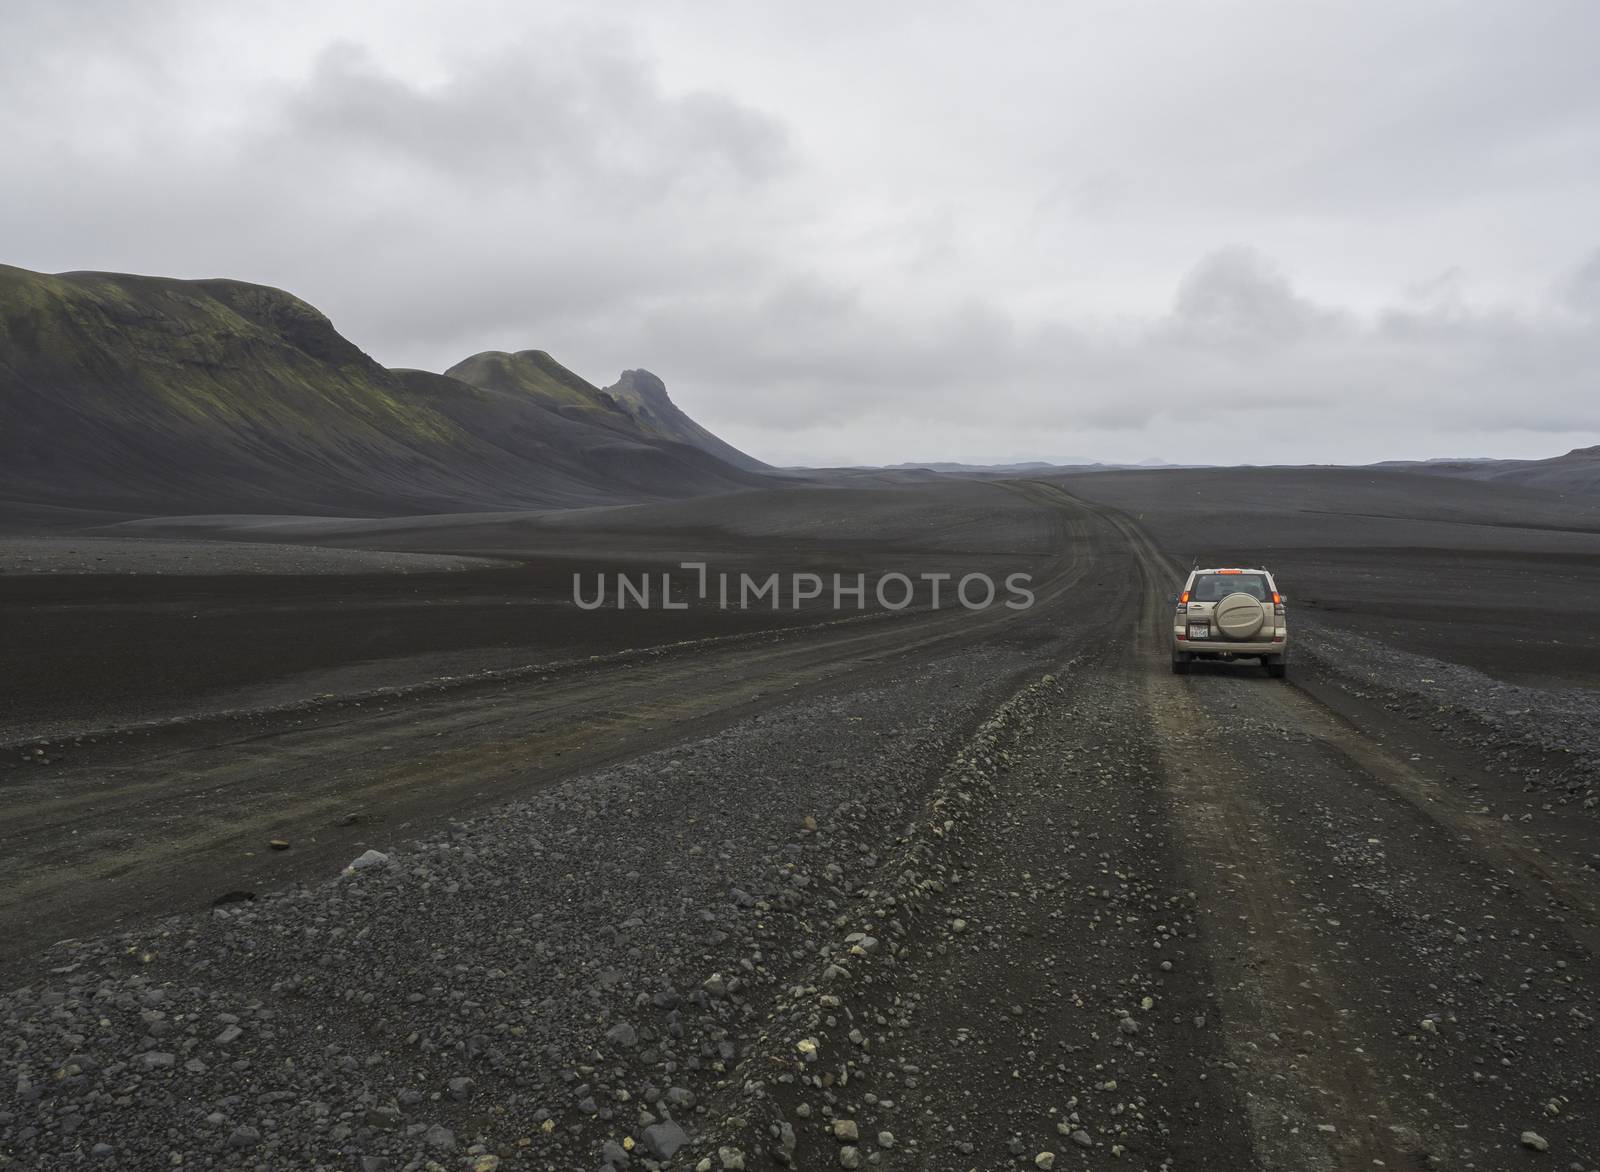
(1221, 647)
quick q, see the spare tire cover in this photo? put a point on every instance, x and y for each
(1238, 616)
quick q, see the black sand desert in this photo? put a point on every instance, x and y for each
(972, 883)
(498, 767)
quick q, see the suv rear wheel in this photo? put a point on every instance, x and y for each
(1180, 664)
(1276, 667)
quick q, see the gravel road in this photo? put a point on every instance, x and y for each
(901, 895)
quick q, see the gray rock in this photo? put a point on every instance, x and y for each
(661, 1140)
(624, 1035)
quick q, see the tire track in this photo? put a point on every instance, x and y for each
(1318, 1098)
(1343, 871)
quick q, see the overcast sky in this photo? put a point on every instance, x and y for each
(877, 232)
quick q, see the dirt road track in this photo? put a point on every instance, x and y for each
(1398, 979)
(1208, 922)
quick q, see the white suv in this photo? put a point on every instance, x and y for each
(1226, 614)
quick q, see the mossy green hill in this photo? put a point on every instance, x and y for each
(154, 394)
(636, 404)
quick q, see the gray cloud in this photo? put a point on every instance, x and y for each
(573, 113)
(903, 232)
(1581, 290)
(1235, 298)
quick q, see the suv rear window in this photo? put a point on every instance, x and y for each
(1216, 587)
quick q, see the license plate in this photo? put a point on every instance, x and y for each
(1199, 630)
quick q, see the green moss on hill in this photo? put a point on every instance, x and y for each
(154, 394)
(211, 352)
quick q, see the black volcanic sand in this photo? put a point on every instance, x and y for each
(937, 892)
(89, 650)
(1501, 578)
(179, 627)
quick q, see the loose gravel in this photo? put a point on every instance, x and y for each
(564, 982)
(1506, 722)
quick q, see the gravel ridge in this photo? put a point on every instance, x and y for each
(1507, 722)
(807, 1044)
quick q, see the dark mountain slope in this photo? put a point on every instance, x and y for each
(576, 444)
(149, 394)
(644, 396)
(636, 405)
(1576, 472)
(533, 376)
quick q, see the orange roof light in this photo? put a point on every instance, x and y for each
(1277, 599)
(1230, 571)
(1184, 597)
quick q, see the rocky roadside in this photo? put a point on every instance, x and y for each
(1549, 737)
(561, 983)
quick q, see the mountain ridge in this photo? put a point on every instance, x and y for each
(1576, 471)
(638, 399)
(156, 394)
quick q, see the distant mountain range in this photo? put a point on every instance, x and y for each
(158, 396)
(1072, 463)
(952, 466)
(149, 394)
(1577, 472)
